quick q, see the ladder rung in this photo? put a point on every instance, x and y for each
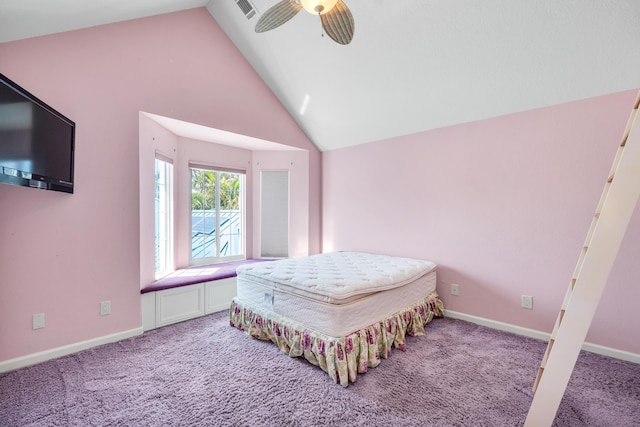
(565, 303)
(547, 353)
(627, 130)
(535, 384)
(551, 342)
(576, 272)
(600, 204)
(616, 161)
(592, 229)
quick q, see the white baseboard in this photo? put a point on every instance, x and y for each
(32, 359)
(532, 333)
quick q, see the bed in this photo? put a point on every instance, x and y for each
(341, 311)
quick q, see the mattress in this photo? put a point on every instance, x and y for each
(337, 277)
(336, 303)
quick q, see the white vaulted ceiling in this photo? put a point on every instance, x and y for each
(413, 65)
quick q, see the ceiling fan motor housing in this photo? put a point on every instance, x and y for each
(318, 7)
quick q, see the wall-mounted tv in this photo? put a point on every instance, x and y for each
(36, 142)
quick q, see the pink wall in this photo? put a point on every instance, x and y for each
(63, 254)
(501, 205)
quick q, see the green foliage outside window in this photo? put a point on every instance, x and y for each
(203, 191)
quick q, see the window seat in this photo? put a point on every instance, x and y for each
(200, 274)
(189, 293)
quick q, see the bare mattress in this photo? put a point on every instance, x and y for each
(336, 293)
(341, 311)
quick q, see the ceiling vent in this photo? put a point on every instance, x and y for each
(247, 8)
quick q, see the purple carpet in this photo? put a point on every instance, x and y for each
(204, 373)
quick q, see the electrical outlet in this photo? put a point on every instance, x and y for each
(455, 289)
(526, 301)
(105, 308)
(38, 321)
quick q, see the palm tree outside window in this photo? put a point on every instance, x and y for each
(217, 215)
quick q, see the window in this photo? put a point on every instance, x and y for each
(274, 203)
(163, 216)
(217, 215)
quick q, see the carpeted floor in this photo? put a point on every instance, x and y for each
(204, 373)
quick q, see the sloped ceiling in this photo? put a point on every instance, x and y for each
(412, 66)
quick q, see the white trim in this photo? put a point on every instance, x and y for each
(611, 352)
(148, 307)
(218, 294)
(532, 333)
(214, 168)
(32, 359)
(43, 356)
(168, 306)
(494, 324)
(178, 304)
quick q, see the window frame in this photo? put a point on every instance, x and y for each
(275, 189)
(242, 208)
(168, 193)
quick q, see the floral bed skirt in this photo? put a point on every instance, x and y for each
(343, 358)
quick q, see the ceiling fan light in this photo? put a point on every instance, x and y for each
(318, 7)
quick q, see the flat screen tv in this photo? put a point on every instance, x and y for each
(36, 141)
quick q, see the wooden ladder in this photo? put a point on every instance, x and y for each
(617, 203)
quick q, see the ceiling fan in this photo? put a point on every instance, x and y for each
(335, 16)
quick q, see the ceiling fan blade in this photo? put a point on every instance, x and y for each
(277, 15)
(338, 23)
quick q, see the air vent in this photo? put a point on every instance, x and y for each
(247, 8)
